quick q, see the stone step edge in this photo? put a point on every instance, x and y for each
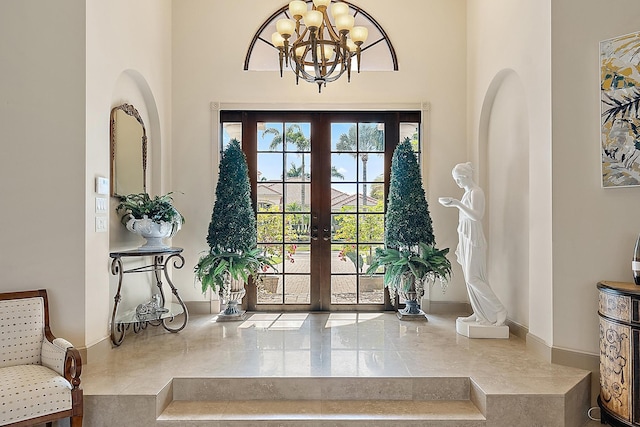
(309, 410)
(322, 388)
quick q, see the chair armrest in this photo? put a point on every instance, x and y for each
(60, 356)
(73, 367)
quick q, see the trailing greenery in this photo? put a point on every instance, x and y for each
(427, 263)
(232, 236)
(158, 209)
(215, 265)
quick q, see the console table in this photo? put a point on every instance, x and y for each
(161, 260)
(619, 312)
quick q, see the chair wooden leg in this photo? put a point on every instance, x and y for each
(76, 421)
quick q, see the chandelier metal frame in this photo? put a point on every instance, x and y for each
(321, 54)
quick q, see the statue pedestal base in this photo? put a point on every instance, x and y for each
(475, 330)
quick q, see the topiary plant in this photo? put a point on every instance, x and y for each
(407, 221)
(233, 222)
(409, 256)
(232, 236)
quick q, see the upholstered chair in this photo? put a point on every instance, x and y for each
(39, 373)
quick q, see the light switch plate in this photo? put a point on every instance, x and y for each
(102, 185)
(101, 224)
(101, 205)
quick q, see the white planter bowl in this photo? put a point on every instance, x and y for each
(153, 232)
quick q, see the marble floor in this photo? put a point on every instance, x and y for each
(319, 345)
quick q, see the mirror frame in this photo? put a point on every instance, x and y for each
(131, 111)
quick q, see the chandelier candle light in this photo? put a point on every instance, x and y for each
(322, 50)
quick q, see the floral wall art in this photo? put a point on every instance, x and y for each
(620, 119)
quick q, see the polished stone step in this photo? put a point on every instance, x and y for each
(356, 401)
(322, 388)
(307, 413)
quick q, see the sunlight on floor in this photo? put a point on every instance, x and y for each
(344, 319)
(275, 321)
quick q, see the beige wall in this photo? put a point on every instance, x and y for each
(594, 230)
(573, 240)
(128, 61)
(59, 84)
(209, 49)
(42, 175)
(509, 130)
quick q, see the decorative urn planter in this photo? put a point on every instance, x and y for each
(232, 293)
(412, 297)
(154, 232)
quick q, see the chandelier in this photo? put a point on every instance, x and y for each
(317, 49)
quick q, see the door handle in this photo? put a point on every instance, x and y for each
(314, 232)
(326, 234)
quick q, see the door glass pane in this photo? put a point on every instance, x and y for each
(371, 290)
(298, 228)
(344, 226)
(343, 137)
(344, 259)
(367, 252)
(296, 258)
(344, 167)
(371, 166)
(296, 164)
(343, 289)
(371, 137)
(343, 195)
(298, 137)
(375, 196)
(371, 228)
(284, 206)
(231, 130)
(275, 252)
(269, 167)
(411, 131)
(297, 289)
(270, 289)
(358, 211)
(270, 227)
(297, 197)
(270, 136)
(269, 197)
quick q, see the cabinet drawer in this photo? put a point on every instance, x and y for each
(615, 306)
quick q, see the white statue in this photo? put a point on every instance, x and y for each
(472, 250)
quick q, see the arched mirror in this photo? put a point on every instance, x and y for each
(128, 151)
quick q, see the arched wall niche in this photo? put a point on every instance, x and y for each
(132, 88)
(503, 173)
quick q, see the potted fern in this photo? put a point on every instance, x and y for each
(410, 258)
(152, 218)
(233, 256)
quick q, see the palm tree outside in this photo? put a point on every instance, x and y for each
(361, 140)
(293, 135)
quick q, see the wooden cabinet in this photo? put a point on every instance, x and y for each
(619, 312)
